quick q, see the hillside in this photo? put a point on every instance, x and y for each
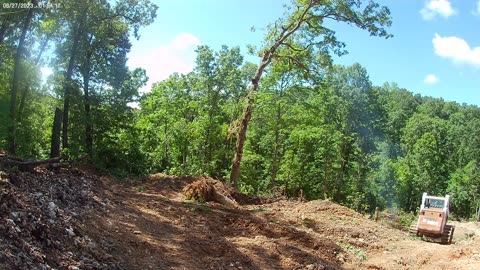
(76, 219)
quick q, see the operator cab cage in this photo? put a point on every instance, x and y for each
(435, 203)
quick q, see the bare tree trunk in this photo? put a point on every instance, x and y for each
(23, 98)
(56, 130)
(325, 169)
(16, 80)
(222, 199)
(275, 161)
(242, 134)
(25, 165)
(247, 115)
(68, 78)
(345, 154)
(3, 30)
(268, 54)
(88, 124)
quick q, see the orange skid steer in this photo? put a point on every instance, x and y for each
(432, 221)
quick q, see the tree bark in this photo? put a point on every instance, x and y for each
(68, 77)
(16, 80)
(207, 153)
(325, 168)
(268, 54)
(56, 130)
(3, 29)
(88, 124)
(25, 165)
(275, 161)
(247, 115)
(222, 199)
(242, 134)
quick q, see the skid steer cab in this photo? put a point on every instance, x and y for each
(432, 221)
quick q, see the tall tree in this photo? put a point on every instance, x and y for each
(75, 33)
(99, 38)
(305, 22)
(16, 78)
(104, 45)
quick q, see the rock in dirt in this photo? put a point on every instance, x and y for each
(52, 210)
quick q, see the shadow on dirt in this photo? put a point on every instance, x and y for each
(148, 231)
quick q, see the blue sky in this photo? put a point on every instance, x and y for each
(435, 50)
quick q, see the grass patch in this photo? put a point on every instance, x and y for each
(398, 218)
(272, 221)
(357, 252)
(308, 222)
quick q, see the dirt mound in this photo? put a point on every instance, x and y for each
(173, 185)
(40, 213)
(246, 199)
(327, 220)
(160, 181)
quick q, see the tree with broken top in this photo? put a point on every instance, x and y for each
(301, 34)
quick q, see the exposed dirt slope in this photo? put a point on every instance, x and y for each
(464, 253)
(77, 220)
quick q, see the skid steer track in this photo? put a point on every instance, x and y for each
(412, 230)
(445, 238)
(447, 234)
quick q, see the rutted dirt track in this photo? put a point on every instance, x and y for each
(77, 220)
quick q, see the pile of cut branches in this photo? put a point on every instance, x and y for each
(205, 190)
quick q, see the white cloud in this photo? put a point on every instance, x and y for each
(176, 56)
(456, 49)
(437, 7)
(184, 40)
(431, 79)
(478, 7)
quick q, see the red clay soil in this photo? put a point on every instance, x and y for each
(75, 219)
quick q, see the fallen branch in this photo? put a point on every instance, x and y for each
(26, 164)
(222, 199)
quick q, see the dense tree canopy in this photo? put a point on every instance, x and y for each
(319, 129)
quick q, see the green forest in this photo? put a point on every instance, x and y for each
(295, 122)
